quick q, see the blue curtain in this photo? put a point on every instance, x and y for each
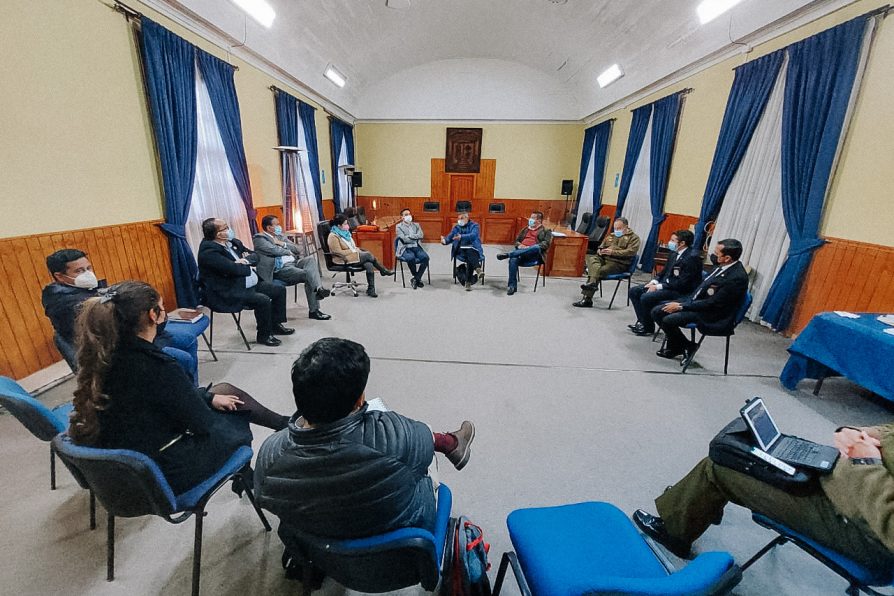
(339, 131)
(634, 144)
(664, 133)
(818, 87)
(306, 113)
(169, 64)
(747, 99)
(218, 77)
(598, 137)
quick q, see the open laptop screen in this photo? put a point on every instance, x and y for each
(761, 424)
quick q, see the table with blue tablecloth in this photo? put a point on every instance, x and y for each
(833, 345)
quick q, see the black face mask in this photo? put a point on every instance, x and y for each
(714, 260)
(161, 326)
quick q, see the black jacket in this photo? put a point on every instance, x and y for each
(363, 475)
(152, 401)
(682, 273)
(719, 299)
(221, 277)
(61, 304)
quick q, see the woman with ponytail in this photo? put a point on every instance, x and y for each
(131, 395)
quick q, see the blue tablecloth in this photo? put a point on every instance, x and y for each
(833, 345)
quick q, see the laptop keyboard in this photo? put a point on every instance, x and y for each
(798, 451)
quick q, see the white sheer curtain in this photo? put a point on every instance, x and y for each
(638, 208)
(344, 183)
(214, 192)
(309, 188)
(586, 189)
(752, 207)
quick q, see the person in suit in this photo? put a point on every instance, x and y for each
(342, 246)
(280, 259)
(530, 248)
(712, 306)
(613, 256)
(74, 281)
(848, 511)
(409, 247)
(465, 246)
(681, 275)
(131, 395)
(231, 283)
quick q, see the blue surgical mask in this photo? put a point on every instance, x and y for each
(532, 222)
(231, 235)
(672, 246)
(619, 233)
(277, 230)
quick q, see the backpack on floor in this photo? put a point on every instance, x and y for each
(462, 273)
(466, 573)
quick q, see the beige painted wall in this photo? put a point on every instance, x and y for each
(77, 147)
(532, 159)
(859, 203)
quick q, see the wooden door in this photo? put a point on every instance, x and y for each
(462, 188)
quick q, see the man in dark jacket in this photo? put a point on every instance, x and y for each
(530, 248)
(712, 306)
(681, 275)
(231, 284)
(341, 470)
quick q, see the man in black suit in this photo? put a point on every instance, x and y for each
(681, 275)
(712, 306)
(230, 282)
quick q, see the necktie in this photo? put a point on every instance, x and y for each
(704, 284)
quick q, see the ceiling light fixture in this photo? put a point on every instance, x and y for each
(610, 75)
(709, 10)
(259, 10)
(335, 76)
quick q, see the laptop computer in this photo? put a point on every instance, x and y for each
(798, 452)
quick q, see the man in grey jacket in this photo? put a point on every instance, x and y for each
(341, 470)
(281, 260)
(409, 247)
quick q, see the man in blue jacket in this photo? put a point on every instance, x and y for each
(465, 246)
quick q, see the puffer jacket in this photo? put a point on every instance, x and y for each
(362, 475)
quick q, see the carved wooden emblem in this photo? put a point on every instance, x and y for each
(463, 150)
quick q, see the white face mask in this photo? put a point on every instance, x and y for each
(408, 218)
(461, 222)
(86, 280)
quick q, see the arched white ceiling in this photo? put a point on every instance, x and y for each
(483, 59)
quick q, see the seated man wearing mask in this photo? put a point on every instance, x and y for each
(465, 247)
(280, 259)
(409, 247)
(530, 248)
(344, 250)
(74, 282)
(613, 256)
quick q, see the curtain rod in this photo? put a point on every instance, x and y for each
(684, 92)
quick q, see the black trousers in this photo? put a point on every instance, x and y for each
(269, 304)
(643, 302)
(671, 323)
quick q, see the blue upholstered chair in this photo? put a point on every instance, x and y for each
(740, 316)
(43, 422)
(130, 484)
(400, 260)
(594, 548)
(628, 275)
(858, 577)
(69, 354)
(376, 564)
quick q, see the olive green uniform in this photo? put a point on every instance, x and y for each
(623, 250)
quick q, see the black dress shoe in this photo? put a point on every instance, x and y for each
(665, 353)
(590, 286)
(502, 256)
(269, 341)
(583, 303)
(318, 315)
(322, 293)
(372, 294)
(688, 354)
(510, 290)
(413, 283)
(278, 329)
(419, 284)
(642, 332)
(386, 272)
(635, 326)
(653, 527)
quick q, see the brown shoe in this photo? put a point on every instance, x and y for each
(459, 457)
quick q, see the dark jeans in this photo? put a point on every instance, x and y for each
(269, 303)
(522, 257)
(470, 257)
(643, 302)
(413, 256)
(670, 323)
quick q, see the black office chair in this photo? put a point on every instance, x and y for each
(584, 224)
(337, 264)
(463, 206)
(361, 215)
(597, 235)
(496, 208)
(431, 206)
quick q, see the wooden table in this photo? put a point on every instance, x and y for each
(566, 254)
(379, 242)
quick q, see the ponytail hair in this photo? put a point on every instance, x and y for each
(100, 326)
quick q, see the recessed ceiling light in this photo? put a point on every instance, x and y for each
(610, 75)
(259, 10)
(335, 76)
(709, 10)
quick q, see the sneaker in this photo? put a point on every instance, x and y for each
(468, 286)
(413, 283)
(459, 457)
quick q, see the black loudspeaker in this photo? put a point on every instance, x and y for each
(567, 186)
(357, 179)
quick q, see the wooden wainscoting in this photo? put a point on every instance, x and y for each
(125, 251)
(262, 212)
(476, 187)
(672, 223)
(846, 275)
